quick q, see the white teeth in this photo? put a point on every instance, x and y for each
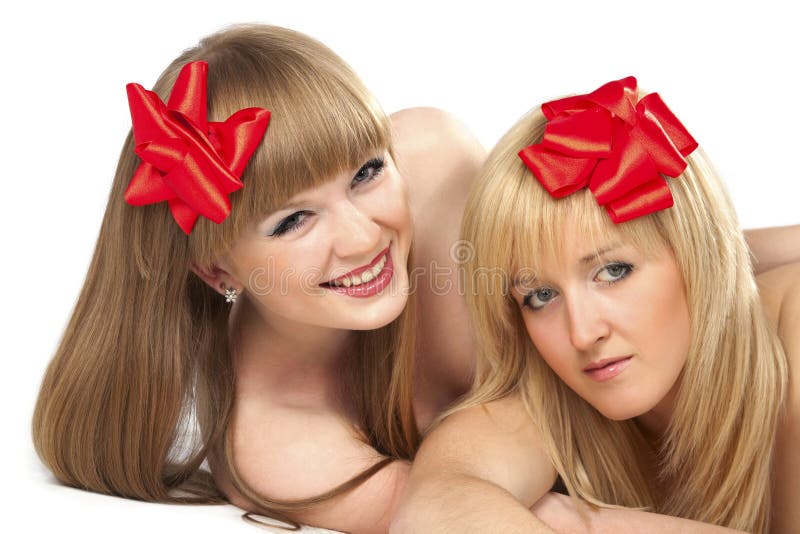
(379, 267)
(366, 276)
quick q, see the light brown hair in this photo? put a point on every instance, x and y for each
(141, 388)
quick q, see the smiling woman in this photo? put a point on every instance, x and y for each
(331, 252)
(254, 265)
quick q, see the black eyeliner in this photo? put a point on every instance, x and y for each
(376, 164)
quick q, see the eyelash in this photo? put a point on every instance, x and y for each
(627, 270)
(368, 172)
(286, 225)
(363, 176)
(626, 267)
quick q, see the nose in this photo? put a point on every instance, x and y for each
(587, 323)
(355, 232)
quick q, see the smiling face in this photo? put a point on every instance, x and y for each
(335, 255)
(610, 321)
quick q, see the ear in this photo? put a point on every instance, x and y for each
(217, 277)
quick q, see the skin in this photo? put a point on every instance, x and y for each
(291, 347)
(289, 407)
(584, 310)
(579, 311)
(780, 296)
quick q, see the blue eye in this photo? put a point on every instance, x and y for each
(614, 272)
(538, 298)
(291, 223)
(368, 172)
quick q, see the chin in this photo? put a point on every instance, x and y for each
(382, 314)
(621, 409)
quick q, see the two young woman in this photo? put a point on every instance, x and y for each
(286, 342)
(624, 343)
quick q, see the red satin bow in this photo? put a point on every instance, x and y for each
(617, 146)
(191, 163)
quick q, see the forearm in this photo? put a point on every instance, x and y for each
(772, 247)
(464, 504)
(559, 512)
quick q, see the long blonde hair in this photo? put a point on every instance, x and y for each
(715, 457)
(144, 365)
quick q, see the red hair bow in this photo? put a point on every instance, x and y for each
(191, 163)
(616, 145)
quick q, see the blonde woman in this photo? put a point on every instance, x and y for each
(624, 345)
(248, 300)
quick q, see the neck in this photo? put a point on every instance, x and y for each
(285, 361)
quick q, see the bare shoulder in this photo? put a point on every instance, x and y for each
(425, 131)
(497, 442)
(780, 293)
(779, 290)
(435, 151)
(280, 457)
(439, 159)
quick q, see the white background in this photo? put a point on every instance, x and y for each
(730, 73)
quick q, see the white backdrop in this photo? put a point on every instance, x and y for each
(730, 73)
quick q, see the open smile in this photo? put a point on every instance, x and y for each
(365, 281)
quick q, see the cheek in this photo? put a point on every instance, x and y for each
(273, 274)
(549, 342)
(389, 203)
(664, 326)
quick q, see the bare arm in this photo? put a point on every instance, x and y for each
(482, 470)
(479, 471)
(780, 296)
(560, 513)
(291, 454)
(772, 247)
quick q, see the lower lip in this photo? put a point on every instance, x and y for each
(608, 372)
(371, 288)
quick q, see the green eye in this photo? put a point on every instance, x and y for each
(538, 298)
(613, 272)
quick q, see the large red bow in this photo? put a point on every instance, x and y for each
(191, 163)
(617, 146)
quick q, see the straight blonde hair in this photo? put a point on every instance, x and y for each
(734, 380)
(141, 388)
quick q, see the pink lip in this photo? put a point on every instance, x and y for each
(360, 270)
(608, 368)
(371, 288)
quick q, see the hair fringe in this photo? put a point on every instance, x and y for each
(718, 472)
(140, 391)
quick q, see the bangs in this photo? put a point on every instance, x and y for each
(539, 225)
(321, 124)
(323, 121)
(515, 222)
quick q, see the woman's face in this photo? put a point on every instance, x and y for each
(335, 255)
(612, 323)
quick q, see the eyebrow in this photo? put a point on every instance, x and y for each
(286, 207)
(589, 258)
(290, 206)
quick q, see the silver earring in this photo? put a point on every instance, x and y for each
(230, 295)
